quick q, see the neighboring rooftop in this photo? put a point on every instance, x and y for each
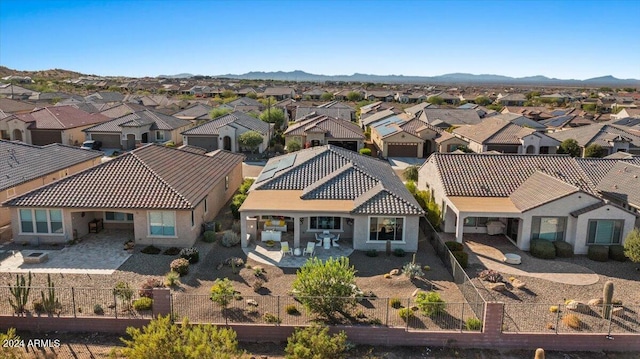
(236, 118)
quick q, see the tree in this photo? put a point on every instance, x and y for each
(365, 151)
(531, 95)
(483, 100)
(327, 96)
(314, 342)
(250, 139)
(411, 173)
(163, 339)
(218, 112)
(632, 245)
(325, 288)
(354, 96)
(222, 292)
(273, 115)
(436, 100)
(595, 150)
(570, 147)
(252, 95)
(294, 146)
(227, 94)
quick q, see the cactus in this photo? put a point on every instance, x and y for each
(20, 293)
(539, 353)
(607, 298)
(50, 304)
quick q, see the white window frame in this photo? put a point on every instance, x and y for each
(163, 214)
(404, 231)
(34, 222)
(117, 220)
(620, 239)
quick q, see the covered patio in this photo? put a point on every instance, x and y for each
(260, 252)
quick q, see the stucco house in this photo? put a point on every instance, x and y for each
(612, 138)
(317, 130)
(223, 132)
(526, 197)
(333, 189)
(161, 195)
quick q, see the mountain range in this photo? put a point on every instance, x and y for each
(454, 78)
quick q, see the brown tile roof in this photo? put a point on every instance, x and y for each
(332, 127)
(597, 133)
(236, 118)
(622, 183)
(14, 106)
(61, 117)
(152, 176)
(538, 189)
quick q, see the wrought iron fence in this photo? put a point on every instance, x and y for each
(73, 302)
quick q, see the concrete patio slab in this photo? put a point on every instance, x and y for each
(272, 256)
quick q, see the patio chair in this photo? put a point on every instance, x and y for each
(284, 248)
(319, 240)
(335, 241)
(311, 248)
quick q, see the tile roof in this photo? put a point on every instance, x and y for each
(12, 106)
(157, 120)
(333, 173)
(415, 125)
(332, 127)
(60, 118)
(194, 111)
(340, 113)
(193, 149)
(597, 133)
(152, 176)
(377, 117)
(122, 110)
(538, 189)
(622, 182)
(236, 118)
(450, 117)
(20, 162)
(244, 101)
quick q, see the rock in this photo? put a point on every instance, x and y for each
(219, 266)
(252, 302)
(618, 311)
(498, 287)
(595, 302)
(395, 272)
(577, 306)
(517, 283)
(415, 292)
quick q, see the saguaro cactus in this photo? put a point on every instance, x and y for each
(539, 353)
(607, 298)
(20, 293)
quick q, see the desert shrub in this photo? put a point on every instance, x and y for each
(146, 289)
(180, 266)
(541, 248)
(230, 239)
(222, 292)
(271, 319)
(473, 324)
(598, 253)
(462, 258)
(430, 303)
(405, 313)
(123, 291)
(375, 321)
(395, 303)
(38, 306)
(616, 252)
(143, 303)
(399, 252)
(371, 253)
(490, 275)
(151, 250)
(365, 151)
(171, 251)
(426, 268)
(412, 270)
(315, 342)
(235, 227)
(98, 310)
(162, 338)
(257, 285)
(454, 246)
(172, 278)
(572, 321)
(10, 351)
(553, 309)
(292, 309)
(563, 249)
(236, 203)
(191, 254)
(209, 236)
(246, 184)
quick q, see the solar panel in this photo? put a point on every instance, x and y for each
(286, 162)
(270, 169)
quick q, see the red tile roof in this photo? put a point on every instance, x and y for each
(60, 118)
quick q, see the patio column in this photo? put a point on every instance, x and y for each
(243, 230)
(459, 227)
(296, 232)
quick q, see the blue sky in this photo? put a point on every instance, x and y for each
(563, 39)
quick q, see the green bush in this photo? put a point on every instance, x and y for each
(10, 351)
(541, 248)
(462, 258)
(171, 251)
(371, 253)
(616, 252)
(406, 314)
(230, 239)
(151, 250)
(365, 151)
(399, 252)
(292, 309)
(395, 303)
(598, 253)
(222, 292)
(315, 342)
(180, 266)
(563, 249)
(473, 324)
(271, 319)
(430, 303)
(97, 309)
(246, 184)
(172, 278)
(454, 246)
(143, 303)
(123, 291)
(209, 236)
(236, 203)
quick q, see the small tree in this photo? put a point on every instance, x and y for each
(294, 146)
(314, 342)
(354, 96)
(250, 139)
(595, 150)
(163, 339)
(632, 245)
(273, 115)
(222, 292)
(218, 112)
(365, 151)
(436, 100)
(411, 173)
(327, 96)
(482, 100)
(570, 147)
(325, 288)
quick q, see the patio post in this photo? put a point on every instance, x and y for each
(459, 227)
(243, 230)
(296, 232)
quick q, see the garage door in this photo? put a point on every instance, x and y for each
(43, 137)
(108, 141)
(208, 143)
(408, 150)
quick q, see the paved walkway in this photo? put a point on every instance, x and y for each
(272, 256)
(100, 253)
(489, 251)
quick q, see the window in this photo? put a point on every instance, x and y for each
(323, 223)
(41, 221)
(206, 209)
(11, 192)
(162, 223)
(549, 228)
(159, 135)
(118, 217)
(226, 182)
(478, 221)
(193, 219)
(604, 231)
(385, 228)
